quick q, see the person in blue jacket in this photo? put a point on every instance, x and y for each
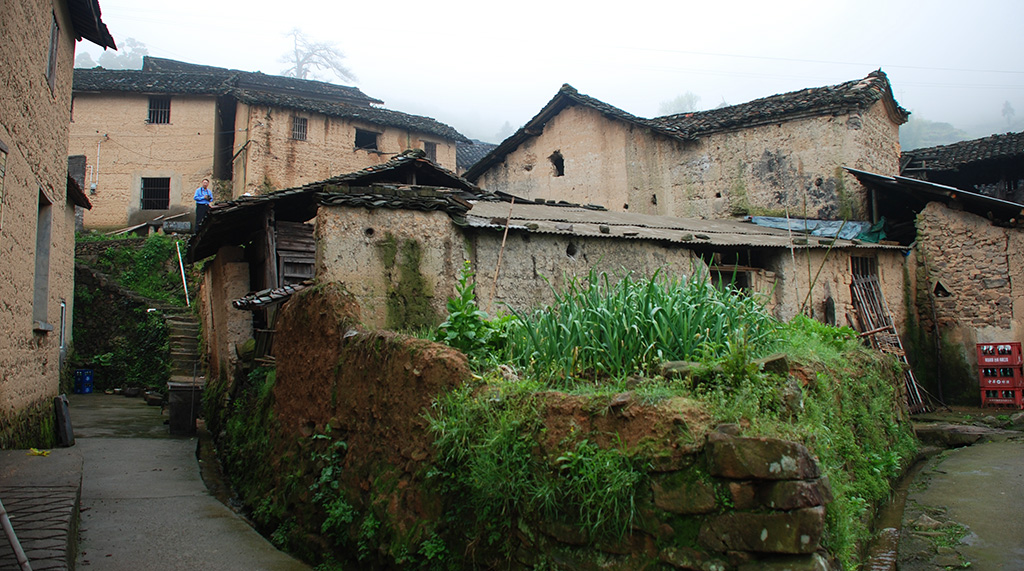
(203, 197)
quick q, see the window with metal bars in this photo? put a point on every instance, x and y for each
(156, 193)
(159, 110)
(299, 125)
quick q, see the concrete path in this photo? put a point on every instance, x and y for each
(966, 510)
(144, 505)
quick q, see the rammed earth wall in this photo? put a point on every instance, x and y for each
(713, 500)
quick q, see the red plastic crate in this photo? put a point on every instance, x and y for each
(999, 355)
(1003, 397)
(1001, 377)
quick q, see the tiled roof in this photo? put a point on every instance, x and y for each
(172, 77)
(842, 98)
(85, 18)
(381, 186)
(845, 97)
(139, 81)
(270, 296)
(399, 169)
(950, 157)
(261, 81)
(372, 115)
(467, 154)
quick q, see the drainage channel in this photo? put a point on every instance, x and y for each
(883, 550)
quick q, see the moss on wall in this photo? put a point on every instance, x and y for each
(409, 292)
(31, 427)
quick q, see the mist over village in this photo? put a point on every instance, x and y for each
(537, 286)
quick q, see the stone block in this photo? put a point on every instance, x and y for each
(759, 458)
(678, 494)
(795, 494)
(794, 532)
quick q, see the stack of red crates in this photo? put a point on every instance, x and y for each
(1000, 373)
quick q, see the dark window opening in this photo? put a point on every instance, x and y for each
(159, 110)
(625, 207)
(299, 125)
(940, 290)
(366, 140)
(431, 150)
(51, 61)
(864, 267)
(557, 163)
(570, 250)
(718, 195)
(654, 199)
(156, 193)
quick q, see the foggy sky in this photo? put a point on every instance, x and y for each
(476, 65)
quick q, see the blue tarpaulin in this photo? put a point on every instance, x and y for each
(823, 228)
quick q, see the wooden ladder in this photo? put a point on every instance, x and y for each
(876, 323)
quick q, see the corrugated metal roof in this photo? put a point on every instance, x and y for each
(578, 221)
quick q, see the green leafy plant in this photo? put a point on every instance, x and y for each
(467, 327)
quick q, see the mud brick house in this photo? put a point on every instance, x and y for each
(956, 205)
(397, 236)
(151, 135)
(768, 156)
(37, 204)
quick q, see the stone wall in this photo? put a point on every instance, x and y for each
(968, 275)
(34, 130)
(273, 160)
(796, 164)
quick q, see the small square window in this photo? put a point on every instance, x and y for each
(299, 125)
(366, 140)
(156, 193)
(431, 150)
(159, 110)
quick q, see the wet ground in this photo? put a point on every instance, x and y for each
(144, 504)
(965, 506)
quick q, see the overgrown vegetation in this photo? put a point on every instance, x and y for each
(116, 333)
(597, 338)
(152, 270)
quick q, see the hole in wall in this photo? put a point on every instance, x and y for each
(625, 207)
(368, 232)
(557, 163)
(654, 199)
(940, 290)
(570, 250)
(718, 195)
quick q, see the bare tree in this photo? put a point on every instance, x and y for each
(685, 103)
(308, 56)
